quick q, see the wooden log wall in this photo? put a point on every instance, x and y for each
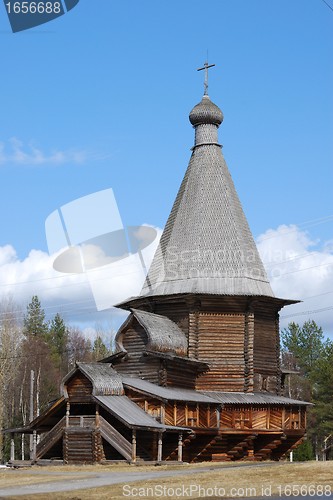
(190, 415)
(134, 340)
(249, 352)
(193, 332)
(180, 376)
(277, 352)
(273, 418)
(238, 336)
(79, 389)
(221, 343)
(266, 352)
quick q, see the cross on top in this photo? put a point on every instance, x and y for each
(206, 66)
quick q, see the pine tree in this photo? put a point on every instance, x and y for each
(36, 357)
(58, 336)
(34, 323)
(100, 350)
(304, 452)
(306, 349)
(323, 392)
(305, 343)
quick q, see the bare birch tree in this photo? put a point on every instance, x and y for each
(10, 341)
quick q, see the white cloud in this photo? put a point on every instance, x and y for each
(298, 268)
(301, 269)
(15, 152)
(79, 298)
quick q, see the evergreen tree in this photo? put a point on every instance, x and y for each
(100, 350)
(305, 343)
(58, 336)
(323, 392)
(304, 348)
(304, 452)
(36, 357)
(34, 323)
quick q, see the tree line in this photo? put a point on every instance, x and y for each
(35, 355)
(309, 357)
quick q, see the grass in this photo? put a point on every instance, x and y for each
(229, 481)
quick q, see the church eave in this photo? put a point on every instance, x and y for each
(198, 366)
(149, 301)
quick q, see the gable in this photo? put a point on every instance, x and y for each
(79, 388)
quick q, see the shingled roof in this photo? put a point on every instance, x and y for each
(163, 334)
(207, 246)
(105, 380)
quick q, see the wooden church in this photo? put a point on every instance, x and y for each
(196, 373)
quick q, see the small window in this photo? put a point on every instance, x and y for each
(192, 418)
(155, 412)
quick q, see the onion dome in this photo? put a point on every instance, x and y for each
(206, 112)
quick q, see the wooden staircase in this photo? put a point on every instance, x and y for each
(78, 445)
(84, 444)
(238, 448)
(115, 439)
(213, 447)
(50, 439)
(172, 452)
(287, 444)
(266, 445)
(201, 449)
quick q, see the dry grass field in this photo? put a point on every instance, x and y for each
(226, 480)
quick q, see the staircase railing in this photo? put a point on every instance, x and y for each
(50, 438)
(117, 440)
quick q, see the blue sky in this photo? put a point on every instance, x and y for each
(100, 98)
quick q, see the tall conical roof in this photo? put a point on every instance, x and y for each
(207, 246)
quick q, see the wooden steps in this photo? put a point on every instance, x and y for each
(172, 453)
(288, 443)
(50, 439)
(115, 439)
(78, 446)
(265, 446)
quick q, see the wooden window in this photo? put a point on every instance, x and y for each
(264, 384)
(242, 418)
(155, 411)
(295, 421)
(192, 417)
